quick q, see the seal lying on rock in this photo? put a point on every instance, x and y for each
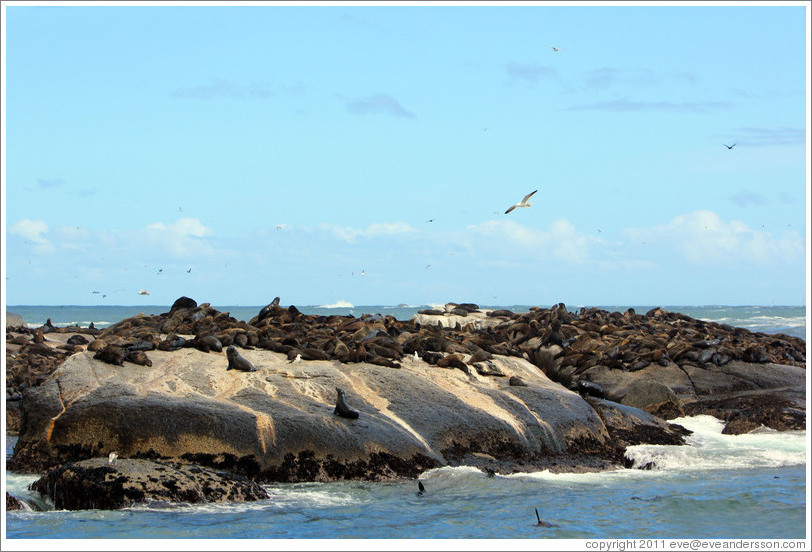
(236, 362)
(588, 388)
(342, 408)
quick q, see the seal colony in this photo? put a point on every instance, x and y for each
(584, 351)
(457, 385)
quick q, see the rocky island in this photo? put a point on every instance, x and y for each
(193, 405)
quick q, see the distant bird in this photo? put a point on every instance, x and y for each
(430, 220)
(728, 147)
(297, 359)
(189, 270)
(143, 292)
(523, 203)
(180, 209)
(96, 292)
(554, 48)
(363, 273)
(111, 459)
(160, 270)
(420, 489)
(279, 227)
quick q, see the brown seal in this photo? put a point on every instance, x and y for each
(342, 408)
(236, 362)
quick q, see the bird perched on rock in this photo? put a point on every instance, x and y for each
(111, 458)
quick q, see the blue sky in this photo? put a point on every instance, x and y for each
(237, 153)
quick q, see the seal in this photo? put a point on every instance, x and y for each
(543, 523)
(208, 343)
(236, 362)
(342, 408)
(587, 388)
(138, 357)
(112, 354)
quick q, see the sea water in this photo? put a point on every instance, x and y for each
(750, 486)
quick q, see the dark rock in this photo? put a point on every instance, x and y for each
(97, 484)
(13, 503)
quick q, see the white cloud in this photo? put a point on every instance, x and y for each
(33, 230)
(373, 230)
(561, 240)
(702, 237)
(180, 238)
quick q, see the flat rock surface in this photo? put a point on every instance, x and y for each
(278, 423)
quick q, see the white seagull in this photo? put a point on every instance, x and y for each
(143, 292)
(112, 458)
(524, 202)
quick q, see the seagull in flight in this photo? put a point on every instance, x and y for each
(554, 48)
(143, 292)
(523, 203)
(728, 147)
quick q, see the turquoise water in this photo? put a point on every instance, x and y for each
(719, 486)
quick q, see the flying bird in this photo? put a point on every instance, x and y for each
(189, 270)
(728, 147)
(143, 292)
(554, 48)
(523, 203)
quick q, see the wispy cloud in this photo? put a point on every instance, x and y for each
(223, 88)
(776, 136)
(561, 240)
(702, 237)
(630, 105)
(33, 231)
(529, 72)
(46, 183)
(374, 230)
(181, 238)
(607, 77)
(379, 104)
(746, 197)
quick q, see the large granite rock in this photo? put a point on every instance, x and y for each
(278, 423)
(99, 484)
(14, 320)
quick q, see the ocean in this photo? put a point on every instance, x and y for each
(751, 486)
